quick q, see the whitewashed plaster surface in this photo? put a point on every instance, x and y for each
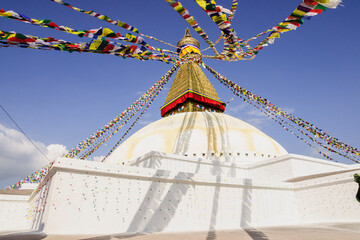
(216, 136)
(13, 209)
(274, 169)
(81, 197)
(328, 197)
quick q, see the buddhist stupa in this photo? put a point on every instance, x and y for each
(194, 124)
(195, 169)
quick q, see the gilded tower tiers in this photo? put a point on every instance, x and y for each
(191, 91)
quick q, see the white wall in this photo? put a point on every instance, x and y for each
(291, 166)
(82, 197)
(307, 166)
(89, 198)
(13, 212)
(174, 162)
(276, 169)
(330, 198)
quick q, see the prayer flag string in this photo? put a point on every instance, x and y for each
(131, 126)
(216, 42)
(219, 16)
(281, 122)
(153, 92)
(32, 178)
(185, 14)
(127, 131)
(103, 134)
(92, 33)
(100, 46)
(233, 51)
(233, 9)
(114, 22)
(305, 11)
(312, 131)
(233, 46)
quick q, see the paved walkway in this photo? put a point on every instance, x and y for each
(338, 231)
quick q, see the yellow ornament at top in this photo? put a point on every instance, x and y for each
(188, 45)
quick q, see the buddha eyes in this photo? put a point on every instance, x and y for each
(200, 106)
(206, 109)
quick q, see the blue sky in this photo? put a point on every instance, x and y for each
(59, 98)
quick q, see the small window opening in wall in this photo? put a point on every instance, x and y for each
(238, 154)
(212, 154)
(221, 154)
(123, 163)
(254, 154)
(246, 154)
(203, 154)
(229, 154)
(274, 156)
(262, 155)
(268, 155)
(185, 155)
(194, 154)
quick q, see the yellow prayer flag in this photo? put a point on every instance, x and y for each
(201, 3)
(283, 30)
(5, 14)
(178, 7)
(106, 31)
(190, 20)
(95, 44)
(322, 1)
(275, 35)
(300, 13)
(283, 24)
(220, 18)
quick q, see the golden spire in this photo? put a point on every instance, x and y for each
(188, 39)
(191, 91)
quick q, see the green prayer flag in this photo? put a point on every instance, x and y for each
(322, 7)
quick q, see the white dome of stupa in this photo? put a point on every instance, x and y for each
(209, 135)
(194, 125)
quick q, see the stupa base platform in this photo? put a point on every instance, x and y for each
(323, 231)
(93, 198)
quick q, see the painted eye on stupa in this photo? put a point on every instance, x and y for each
(181, 108)
(211, 110)
(200, 106)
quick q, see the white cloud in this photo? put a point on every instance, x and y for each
(19, 158)
(146, 119)
(97, 158)
(251, 115)
(231, 109)
(144, 123)
(256, 112)
(256, 118)
(55, 150)
(247, 113)
(289, 110)
(256, 122)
